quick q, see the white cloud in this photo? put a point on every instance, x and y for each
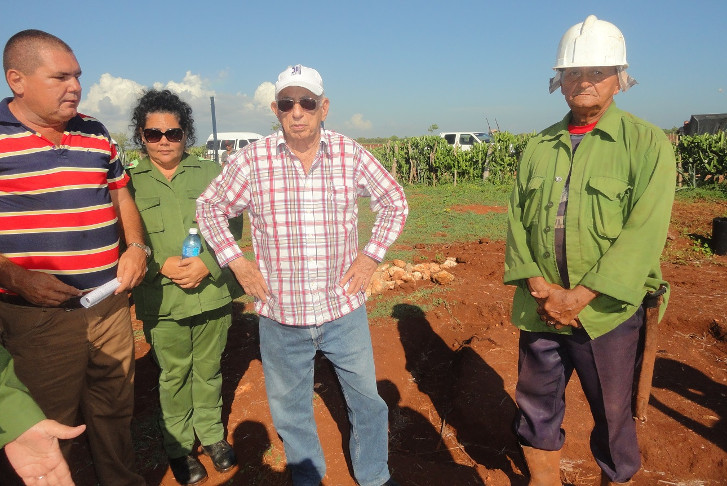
(265, 94)
(111, 100)
(357, 122)
(191, 87)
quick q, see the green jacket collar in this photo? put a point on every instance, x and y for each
(608, 124)
(610, 121)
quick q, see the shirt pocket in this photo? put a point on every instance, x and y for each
(532, 203)
(188, 208)
(151, 213)
(608, 198)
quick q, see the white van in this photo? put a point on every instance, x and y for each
(236, 139)
(465, 140)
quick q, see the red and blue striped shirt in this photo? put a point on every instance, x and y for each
(56, 214)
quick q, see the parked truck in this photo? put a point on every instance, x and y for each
(236, 139)
(464, 140)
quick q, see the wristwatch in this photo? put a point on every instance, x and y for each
(146, 249)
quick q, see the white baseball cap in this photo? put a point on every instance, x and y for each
(301, 76)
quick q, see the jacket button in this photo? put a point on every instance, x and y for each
(558, 179)
(546, 254)
(549, 205)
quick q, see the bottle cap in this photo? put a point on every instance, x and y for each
(192, 231)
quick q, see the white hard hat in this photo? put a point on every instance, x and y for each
(592, 42)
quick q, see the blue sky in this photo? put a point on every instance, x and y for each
(389, 67)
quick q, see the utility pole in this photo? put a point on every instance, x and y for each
(215, 145)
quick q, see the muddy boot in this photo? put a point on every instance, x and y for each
(544, 466)
(606, 481)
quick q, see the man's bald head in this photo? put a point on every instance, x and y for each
(21, 50)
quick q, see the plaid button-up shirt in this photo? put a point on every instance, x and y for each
(303, 226)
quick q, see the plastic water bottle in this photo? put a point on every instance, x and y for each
(192, 244)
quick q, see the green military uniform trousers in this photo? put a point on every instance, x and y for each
(189, 351)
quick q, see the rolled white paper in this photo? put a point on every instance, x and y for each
(99, 293)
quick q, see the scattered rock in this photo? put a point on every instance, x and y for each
(443, 277)
(396, 273)
(388, 276)
(449, 262)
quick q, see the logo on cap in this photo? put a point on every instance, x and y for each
(297, 69)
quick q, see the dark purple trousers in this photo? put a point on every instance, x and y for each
(605, 367)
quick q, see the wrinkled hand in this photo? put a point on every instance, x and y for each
(359, 274)
(35, 453)
(44, 289)
(191, 272)
(248, 275)
(559, 307)
(541, 289)
(131, 270)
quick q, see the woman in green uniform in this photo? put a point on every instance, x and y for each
(185, 304)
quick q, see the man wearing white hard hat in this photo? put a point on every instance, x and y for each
(588, 219)
(300, 188)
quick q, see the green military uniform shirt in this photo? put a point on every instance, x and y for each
(167, 209)
(619, 205)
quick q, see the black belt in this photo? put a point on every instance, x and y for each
(72, 303)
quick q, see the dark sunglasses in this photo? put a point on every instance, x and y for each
(287, 104)
(153, 135)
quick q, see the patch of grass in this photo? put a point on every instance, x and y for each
(424, 298)
(139, 335)
(710, 194)
(274, 457)
(431, 219)
(400, 254)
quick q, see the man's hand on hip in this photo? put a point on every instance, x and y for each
(359, 274)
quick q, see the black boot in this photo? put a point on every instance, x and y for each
(222, 455)
(187, 470)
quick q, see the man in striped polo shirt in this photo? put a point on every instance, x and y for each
(63, 205)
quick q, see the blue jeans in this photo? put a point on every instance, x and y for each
(288, 354)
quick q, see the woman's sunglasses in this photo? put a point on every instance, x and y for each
(153, 135)
(287, 104)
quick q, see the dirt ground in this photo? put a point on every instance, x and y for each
(446, 362)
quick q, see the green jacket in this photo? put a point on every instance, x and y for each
(619, 207)
(19, 410)
(167, 209)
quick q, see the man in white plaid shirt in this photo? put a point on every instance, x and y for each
(300, 188)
